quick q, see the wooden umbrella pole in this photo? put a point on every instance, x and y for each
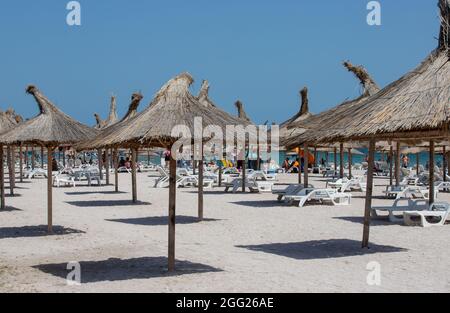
(341, 160)
(64, 156)
(431, 183)
(100, 162)
(13, 166)
(172, 209)
(444, 163)
(315, 156)
(116, 170)
(306, 166)
(26, 157)
(42, 157)
(49, 191)
(10, 170)
(417, 164)
(397, 165)
(21, 163)
(133, 174)
(148, 157)
(299, 157)
(244, 166)
(335, 160)
(200, 186)
(33, 158)
(2, 180)
(350, 161)
(391, 165)
(369, 191)
(107, 166)
(220, 172)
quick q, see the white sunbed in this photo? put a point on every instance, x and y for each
(252, 184)
(320, 195)
(442, 186)
(37, 172)
(399, 206)
(290, 190)
(437, 215)
(64, 179)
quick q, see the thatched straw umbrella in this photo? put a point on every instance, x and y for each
(6, 124)
(172, 107)
(413, 108)
(50, 128)
(301, 115)
(304, 132)
(110, 130)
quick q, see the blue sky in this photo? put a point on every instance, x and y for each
(259, 51)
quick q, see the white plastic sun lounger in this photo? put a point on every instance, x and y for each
(37, 172)
(290, 190)
(437, 215)
(252, 184)
(442, 186)
(320, 195)
(399, 206)
(65, 179)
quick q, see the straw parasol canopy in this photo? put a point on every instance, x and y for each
(416, 106)
(319, 125)
(112, 117)
(241, 112)
(50, 128)
(301, 115)
(6, 123)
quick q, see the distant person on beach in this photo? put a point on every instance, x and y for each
(405, 161)
(286, 164)
(54, 165)
(122, 162)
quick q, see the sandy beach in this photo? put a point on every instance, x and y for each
(248, 243)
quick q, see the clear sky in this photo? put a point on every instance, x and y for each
(259, 51)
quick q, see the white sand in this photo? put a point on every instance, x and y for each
(253, 244)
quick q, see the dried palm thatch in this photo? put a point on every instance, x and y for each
(415, 106)
(226, 119)
(97, 142)
(112, 117)
(6, 123)
(50, 128)
(307, 130)
(172, 106)
(241, 112)
(302, 115)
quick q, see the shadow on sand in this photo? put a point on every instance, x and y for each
(360, 220)
(35, 231)
(260, 204)
(105, 203)
(321, 249)
(10, 209)
(161, 220)
(119, 269)
(83, 193)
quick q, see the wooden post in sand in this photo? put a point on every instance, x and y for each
(49, 191)
(116, 170)
(10, 170)
(444, 163)
(33, 158)
(350, 161)
(21, 163)
(133, 173)
(335, 161)
(397, 165)
(107, 166)
(431, 183)
(2, 180)
(306, 166)
(299, 166)
(391, 166)
(243, 173)
(100, 162)
(341, 160)
(172, 209)
(369, 192)
(200, 186)
(42, 157)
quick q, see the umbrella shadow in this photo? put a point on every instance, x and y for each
(260, 204)
(15, 195)
(121, 270)
(10, 209)
(322, 249)
(36, 231)
(105, 203)
(83, 193)
(161, 220)
(360, 220)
